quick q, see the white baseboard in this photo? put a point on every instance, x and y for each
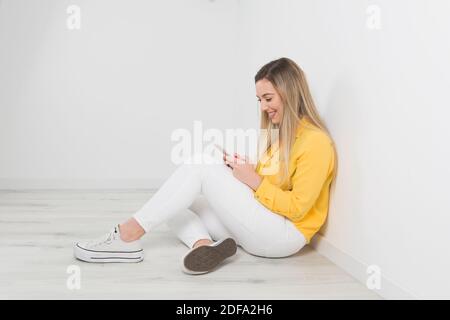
(76, 184)
(358, 269)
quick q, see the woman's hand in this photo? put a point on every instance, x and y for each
(243, 170)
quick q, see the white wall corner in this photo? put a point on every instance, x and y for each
(358, 269)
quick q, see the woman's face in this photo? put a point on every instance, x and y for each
(270, 100)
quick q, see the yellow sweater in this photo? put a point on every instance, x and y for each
(304, 198)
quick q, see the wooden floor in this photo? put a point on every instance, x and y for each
(38, 229)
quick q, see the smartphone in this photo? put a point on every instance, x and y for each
(221, 149)
(223, 152)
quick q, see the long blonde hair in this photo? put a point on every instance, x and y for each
(290, 82)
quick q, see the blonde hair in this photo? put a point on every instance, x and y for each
(290, 83)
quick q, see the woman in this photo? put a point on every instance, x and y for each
(215, 208)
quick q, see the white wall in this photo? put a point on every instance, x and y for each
(96, 107)
(384, 96)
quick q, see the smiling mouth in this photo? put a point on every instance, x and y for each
(271, 114)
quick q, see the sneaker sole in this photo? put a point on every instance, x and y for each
(206, 258)
(108, 256)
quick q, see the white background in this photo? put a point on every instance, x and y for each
(95, 108)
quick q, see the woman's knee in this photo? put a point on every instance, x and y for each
(200, 158)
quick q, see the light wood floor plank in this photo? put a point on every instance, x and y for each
(38, 229)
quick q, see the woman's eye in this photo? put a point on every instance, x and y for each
(268, 100)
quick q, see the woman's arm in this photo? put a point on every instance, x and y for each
(243, 170)
(313, 167)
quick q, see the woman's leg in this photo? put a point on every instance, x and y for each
(122, 243)
(188, 227)
(217, 230)
(198, 223)
(258, 230)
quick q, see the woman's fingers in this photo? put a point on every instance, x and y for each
(233, 160)
(230, 164)
(229, 161)
(229, 158)
(243, 159)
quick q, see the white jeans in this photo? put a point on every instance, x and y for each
(205, 201)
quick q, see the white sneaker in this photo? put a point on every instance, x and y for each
(205, 258)
(109, 248)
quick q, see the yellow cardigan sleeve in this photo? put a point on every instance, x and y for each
(313, 167)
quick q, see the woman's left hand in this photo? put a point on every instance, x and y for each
(243, 170)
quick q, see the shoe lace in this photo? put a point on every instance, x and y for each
(108, 238)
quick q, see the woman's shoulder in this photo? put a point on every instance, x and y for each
(312, 136)
(312, 143)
